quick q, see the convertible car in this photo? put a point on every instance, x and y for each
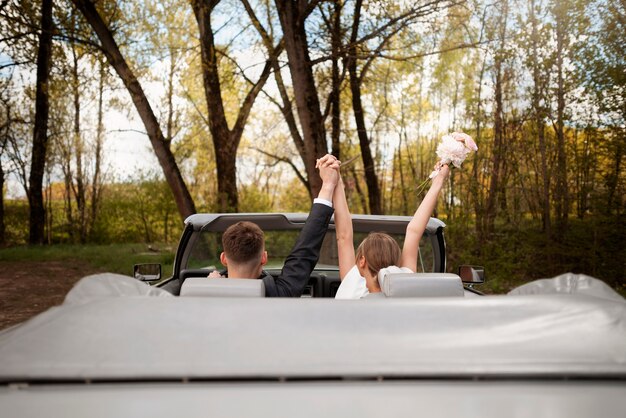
(118, 346)
(200, 245)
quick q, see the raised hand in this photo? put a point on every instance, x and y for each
(444, 172)
(329, 173)
(329, 166)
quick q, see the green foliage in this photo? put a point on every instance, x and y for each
(294, 198)
(138, 211)
(519, 254)
(253, 199)
(16, 214)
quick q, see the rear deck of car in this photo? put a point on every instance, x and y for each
(162, 356)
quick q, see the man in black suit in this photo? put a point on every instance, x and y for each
(244, 245)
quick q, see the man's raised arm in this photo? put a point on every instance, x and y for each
(304, 256)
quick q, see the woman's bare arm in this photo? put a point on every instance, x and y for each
(343, 230)
(415, 229)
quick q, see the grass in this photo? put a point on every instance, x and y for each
(114, 258)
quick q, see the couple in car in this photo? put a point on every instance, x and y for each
(361, 273)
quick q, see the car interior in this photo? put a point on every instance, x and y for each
(395, 285)
(198, 255)
(322, 283)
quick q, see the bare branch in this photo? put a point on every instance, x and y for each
(248, 102)
(130, 130)
(286, 161)
(439, 51)
(18, 36)
(14, 64)
(81, 41)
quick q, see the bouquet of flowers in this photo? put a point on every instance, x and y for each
(453, 149)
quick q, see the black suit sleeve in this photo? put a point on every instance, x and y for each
(304, 255)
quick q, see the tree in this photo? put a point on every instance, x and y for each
(6, 120)
(97, 178)
(356, 81)
(365, 44)
(570, 23)
(40, 134)
(498, 151)
(225, 140)
(184, 201)
(538, 108)
(274, 49)
(292, 16)
(475, 105)
(601, 68)
(333, 23)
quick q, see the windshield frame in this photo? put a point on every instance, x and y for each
(197, 224)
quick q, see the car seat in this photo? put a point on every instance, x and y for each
(209, 287)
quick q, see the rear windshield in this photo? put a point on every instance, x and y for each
(206, 249)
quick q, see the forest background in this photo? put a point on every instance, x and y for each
(237, 98)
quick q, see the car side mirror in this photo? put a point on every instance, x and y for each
(472, 274)
(147, 272)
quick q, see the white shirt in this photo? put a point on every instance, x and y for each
(353, 286)
(323, 201)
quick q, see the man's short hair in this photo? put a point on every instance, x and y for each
(243, 242)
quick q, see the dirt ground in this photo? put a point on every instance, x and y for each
(28, 288)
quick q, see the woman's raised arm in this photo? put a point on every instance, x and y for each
(415, 229)
(343, 230)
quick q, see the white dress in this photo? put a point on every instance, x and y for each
(353, 286)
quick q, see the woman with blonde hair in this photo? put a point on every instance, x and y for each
(360, 271)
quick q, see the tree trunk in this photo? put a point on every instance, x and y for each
(292, 15)
(2, 226)
(169, 130)
(405, 198)
(498, 141)
(224, 146)
(539, 120)
(562, 196)
(371, 179)
(359, 191)
(79, 176)
(166, 159)
(225, 140)
(475, 185)
(67, 195)
(96, 186)
(585, 173)
(5, 132)
(392, 188)
(335, 94)
(48, 209)
(285, 107)
(40, 135)
(616, 144)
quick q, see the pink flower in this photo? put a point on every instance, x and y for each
(466, 139)
(453, 149)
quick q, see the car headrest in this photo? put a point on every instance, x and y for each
(412, 285)
(235, 288)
